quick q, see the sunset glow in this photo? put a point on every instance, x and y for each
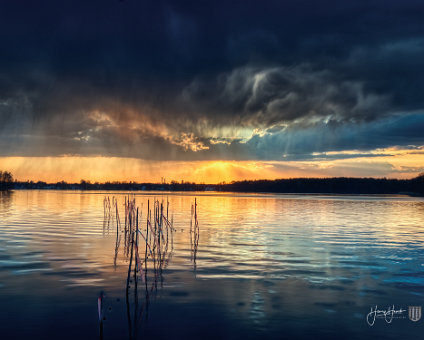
(386, 163)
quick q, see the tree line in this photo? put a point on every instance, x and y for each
(333, 185)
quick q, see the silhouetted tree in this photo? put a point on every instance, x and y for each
(85, 184)
(417, 184)
(6, 180)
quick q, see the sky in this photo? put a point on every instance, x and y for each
(211, 91)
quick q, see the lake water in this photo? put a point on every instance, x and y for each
(267, 266)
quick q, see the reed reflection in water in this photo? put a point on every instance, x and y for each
(156, 237)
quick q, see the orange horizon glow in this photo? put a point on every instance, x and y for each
(72, 169)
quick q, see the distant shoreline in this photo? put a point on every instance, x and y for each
(323, 186)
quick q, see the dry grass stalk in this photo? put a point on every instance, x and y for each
(194, 232)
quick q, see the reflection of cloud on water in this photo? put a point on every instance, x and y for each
(257, 313)
(77, 282)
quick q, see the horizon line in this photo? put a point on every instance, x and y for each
(182, 182)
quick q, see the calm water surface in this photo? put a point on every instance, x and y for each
(268, 266)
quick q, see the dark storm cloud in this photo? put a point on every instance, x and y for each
(266, 96)
(186, 80)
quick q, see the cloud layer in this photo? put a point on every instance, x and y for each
(274, 81)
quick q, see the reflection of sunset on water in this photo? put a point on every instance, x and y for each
(261, 258)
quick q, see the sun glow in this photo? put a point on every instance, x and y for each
(392, 163)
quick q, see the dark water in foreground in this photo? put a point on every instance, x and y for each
(268, 266)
